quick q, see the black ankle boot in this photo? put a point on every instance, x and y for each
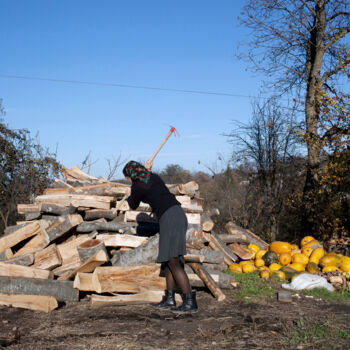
(167, 302)
(189, 304)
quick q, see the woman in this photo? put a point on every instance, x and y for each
(150, 188)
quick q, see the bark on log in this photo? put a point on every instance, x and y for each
(222, 279)
(60, 184)
(94, 214)
(90, 248)
(61, 290)
(216, 244)
(149, 296)
(12, 270)
(6, 254)
(56, 209)
(207, 221)
(32, 216)
(243, 253)
(48, 258)
(24, 260)
(189, 189)
(245, 234)
(124, 240)
(104, 226)
(215, 267)
(32, 302)
(210, 256)
(195, 237)
(28, 208)
(194, 258)
(62, 225)
(208, 280)
(230, 238)
(127, 279)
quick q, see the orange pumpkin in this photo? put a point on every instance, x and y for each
(285, 258)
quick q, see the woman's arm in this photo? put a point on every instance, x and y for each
(135, 197)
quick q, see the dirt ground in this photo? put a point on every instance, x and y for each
(230, 324)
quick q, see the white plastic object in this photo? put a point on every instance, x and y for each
(308, 281)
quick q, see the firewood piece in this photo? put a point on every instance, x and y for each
(245, 234)
(83, 282)
(6, 254)
(32, 302)
(32, 216)
(194, 258)
(284, 296)
(217, 244)
(68, 267)
(210, 256)
(142, 255)
(195, 237)
(103, 226)
(76, 173)
(124, 240)
(61, 290)
(90, 248)
(62, 225)
(139, 216)
(48, 258)
(148, 296)
(127, 279)
(12, 270)
(208, 280)
(19, 235)
(60, 184)
(56, 209)
(222, 280)
(99, 258)
(28, 208)
(188, 189)
(215, 267)
(24, 260)
(230, 238)
(243, 253)
(207, 219)
(76, 200)
(93, 214)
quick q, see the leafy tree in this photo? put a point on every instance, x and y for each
(301, 46)
(26, 170)
(175, 174)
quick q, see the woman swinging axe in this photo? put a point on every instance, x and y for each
(149, 188)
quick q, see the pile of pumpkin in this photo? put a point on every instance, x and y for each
(284, 261)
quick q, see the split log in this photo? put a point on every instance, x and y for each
(32, 216)
(76, 173)
(127, 279)
(90, 248)
(104, 226)
(189, 189)
(194, 258)
(222, 280)
(61, 290)
(67, 268)
(216, 244)
(83, 282)
(19, 235)
(230, 238)
(48, 258)
(6, 254)
(24, 260)
(207, 219)
(149, 296)
(12, 270)
(243, 253)
(215, 267)
(124, 240)
(245, 235)
(208, 280)
(32, 302)
(194, 237)
(210, 256)
(62, 225)
(60, 184)
(28, 208)
(76, 200)
(93, 214)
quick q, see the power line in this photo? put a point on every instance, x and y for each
(201, 92)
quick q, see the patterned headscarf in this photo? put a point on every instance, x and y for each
(136, 171)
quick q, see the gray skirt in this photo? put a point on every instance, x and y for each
(172, 234)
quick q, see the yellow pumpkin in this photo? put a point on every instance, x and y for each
(345, 263)
(330, 268)
(316, 255)
(259, 262)
(329, 260)
(265, 274)
(307, 251)
(312, 268)
(260, 254)
(280, 247)
(278, 275)
(300, 258)
(244, 262)
(275, 267)
(235, 268)
(285, 258)
(305, 240)
(252, 251)
(297, 266)
(294, 247)
(313, 244)
(247, 268)
(254, 247)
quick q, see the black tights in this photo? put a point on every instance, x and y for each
(176, 276)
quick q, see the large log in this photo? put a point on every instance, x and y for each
(28, 208)
(33, 302)
(216, 244)
(124, 240)
(243, 253)
(94, 214)
(189, 189)
(90, 248)
(12, 270)
(76, 200)
(19, 235)
(148, 296)
(62, 225)
(210, 256)
(208, 280)
(229, 238)
(104, 226)
(48, 258)
(24, 260)
(127, 279)
(61, 290)
(244, 234)
(55, 209)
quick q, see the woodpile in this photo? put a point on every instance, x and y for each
(80, 238)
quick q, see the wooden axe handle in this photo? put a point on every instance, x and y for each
(162, 144)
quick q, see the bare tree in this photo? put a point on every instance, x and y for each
(301, 46)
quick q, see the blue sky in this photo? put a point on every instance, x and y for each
(186, 45)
